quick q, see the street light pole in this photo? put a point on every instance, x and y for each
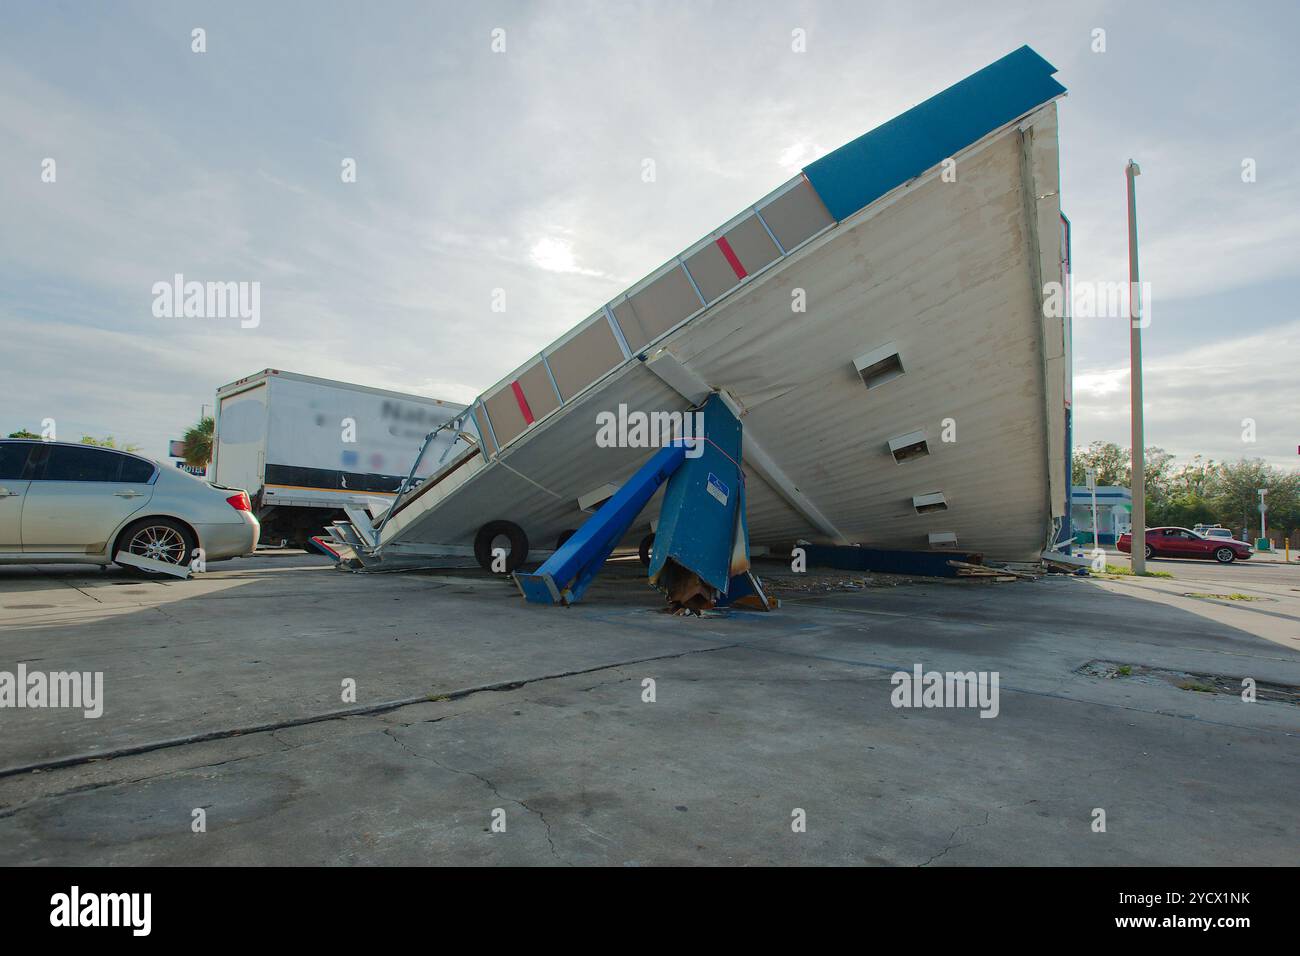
(1263, 521)
(1092, 486)
(1138, 532)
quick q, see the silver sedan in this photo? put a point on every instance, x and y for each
(61, 502)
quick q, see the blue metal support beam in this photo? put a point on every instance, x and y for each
(567, 573)
(701, 549)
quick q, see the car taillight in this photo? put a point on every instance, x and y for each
(239, 501)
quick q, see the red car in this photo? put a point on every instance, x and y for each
(1181, 543)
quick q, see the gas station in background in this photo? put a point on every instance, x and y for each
(1114, 513)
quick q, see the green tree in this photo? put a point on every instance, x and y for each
(1234, 492)
(198, 442)
(23, 433)
(108, 441)
(1180, 511)
(1111, 462)
(1193, 478)
(1157, 465)
(1114, 467)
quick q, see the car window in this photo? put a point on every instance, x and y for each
(136, 469)
(13, 456)
(82, 463)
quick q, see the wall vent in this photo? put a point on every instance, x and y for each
(879, 366)
(943, 539)
(929, 503)
(909, 446)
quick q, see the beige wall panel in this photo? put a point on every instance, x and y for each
(584, 358)
(796, 215)
(752, 245)
(627, 321)
(480, 423)
(712, 272)
(660, 306)
(538, 391)
(507, 419)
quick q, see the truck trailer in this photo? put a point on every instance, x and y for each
(305, 448)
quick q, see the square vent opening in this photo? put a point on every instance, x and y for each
(943, 539)
(909, 446)
(879, 366)
(929, 503)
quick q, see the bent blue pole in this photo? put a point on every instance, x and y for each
(564, 577)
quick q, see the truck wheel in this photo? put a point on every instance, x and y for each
(499, 534)
(643, 549)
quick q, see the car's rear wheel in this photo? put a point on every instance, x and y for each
(1150, 552)
(1225, 555)
(159, 539)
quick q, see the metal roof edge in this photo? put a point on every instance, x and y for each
(267, 374)
(866, 168)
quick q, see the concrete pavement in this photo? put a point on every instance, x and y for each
(473, 709)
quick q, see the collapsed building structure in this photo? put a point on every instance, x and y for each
(877, 326)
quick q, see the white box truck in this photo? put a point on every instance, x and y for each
(305, 447)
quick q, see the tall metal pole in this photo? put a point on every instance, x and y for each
(1138, 533)
(1092, 486)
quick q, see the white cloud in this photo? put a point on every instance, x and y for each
(556, 255)
(1196, 400)
(798, 155)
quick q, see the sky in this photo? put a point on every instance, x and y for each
(521, 170)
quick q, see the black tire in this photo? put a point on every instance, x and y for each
(1150, 552)
(647, 543)
(163, 539)
(488, 534)
(564, 536)
(1225, 555)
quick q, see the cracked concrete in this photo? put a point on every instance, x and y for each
(468, 700)
(485, 781)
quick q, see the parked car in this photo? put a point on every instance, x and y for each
(66, 503)
(1182, 543)
(1213, 531)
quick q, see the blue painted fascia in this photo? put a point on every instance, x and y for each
(860, 172)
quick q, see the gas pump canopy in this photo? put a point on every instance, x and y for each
(877, 325)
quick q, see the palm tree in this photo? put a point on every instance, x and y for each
(198, 443)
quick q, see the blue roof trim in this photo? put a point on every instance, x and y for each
(862, 171)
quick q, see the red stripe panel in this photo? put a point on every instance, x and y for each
(732, 258)
(523, 402)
